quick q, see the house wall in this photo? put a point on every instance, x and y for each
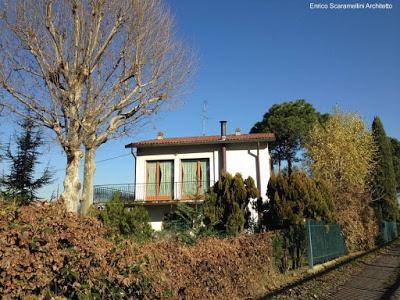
(176, 154)
(240, 158)
(244, 161)
(157, 213)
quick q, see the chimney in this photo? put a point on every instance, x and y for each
(223, 130)
(160, 135)
(223, 148)
(237, 131)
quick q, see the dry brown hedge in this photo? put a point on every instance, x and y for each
(232, 268)
(46, 251)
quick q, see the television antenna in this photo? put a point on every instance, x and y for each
(204, 116)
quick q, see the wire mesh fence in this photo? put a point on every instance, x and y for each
(388, 231)
(324, 242)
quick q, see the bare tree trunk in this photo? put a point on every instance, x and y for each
(72, 185)
(94, 77)
(89, 169)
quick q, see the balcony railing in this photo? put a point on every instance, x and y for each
(103, 193)
(167, 191)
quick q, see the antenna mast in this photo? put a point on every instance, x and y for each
(204, 116)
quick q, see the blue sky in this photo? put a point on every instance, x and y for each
(252, 54)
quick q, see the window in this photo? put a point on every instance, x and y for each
(160, 180)
(195, 174)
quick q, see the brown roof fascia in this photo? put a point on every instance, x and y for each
(208, 140)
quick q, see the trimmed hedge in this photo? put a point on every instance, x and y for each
(48, 252)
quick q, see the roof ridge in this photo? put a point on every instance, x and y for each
(204, 139)
(205, 136)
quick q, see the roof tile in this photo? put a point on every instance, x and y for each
(210, 139)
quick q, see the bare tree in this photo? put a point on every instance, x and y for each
(89, 71)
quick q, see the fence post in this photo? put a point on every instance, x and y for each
(309, 245)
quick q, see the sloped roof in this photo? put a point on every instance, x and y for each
(209, 139)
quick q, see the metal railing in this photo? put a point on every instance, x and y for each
(104, 192)
(164, 191)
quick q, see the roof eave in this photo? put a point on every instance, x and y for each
(137, 145)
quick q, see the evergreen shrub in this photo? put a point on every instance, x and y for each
(292, 200)
(125, 222)
(186, 224)
(227, 201)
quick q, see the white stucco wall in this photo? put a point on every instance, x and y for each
(240, 158)
(176, 154)
(157, 213)
(244, 161)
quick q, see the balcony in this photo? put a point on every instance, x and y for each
(148, 193)
(104, 192)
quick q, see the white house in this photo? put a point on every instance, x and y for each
(172, 170)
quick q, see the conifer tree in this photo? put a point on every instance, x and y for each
(396, 161)
(295, 198)
(227, 201)
(292, 199)
(290, 122)
(384, 182)
(125, 222)
(20, 182)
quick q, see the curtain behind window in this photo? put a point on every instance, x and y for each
(204, 175)
(189, 177)
(151, 178)
(166, 178)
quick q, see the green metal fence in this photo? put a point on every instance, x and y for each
(324, 242)
(388, 231)
(104, 193)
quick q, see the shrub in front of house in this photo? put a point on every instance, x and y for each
(185, 224)
(224, 212)
(292, 200)
(125, 222)
(226, 203)
(295, 198)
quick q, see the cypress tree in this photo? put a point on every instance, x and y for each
(291, 200)
(396, 161)
(384, 183)
(227, 200)
(295, 198)
(20, 182)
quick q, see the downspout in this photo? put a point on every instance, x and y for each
(134, 180)
(215, 179)
(223, 148)
(258, 169)
(223, 159)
